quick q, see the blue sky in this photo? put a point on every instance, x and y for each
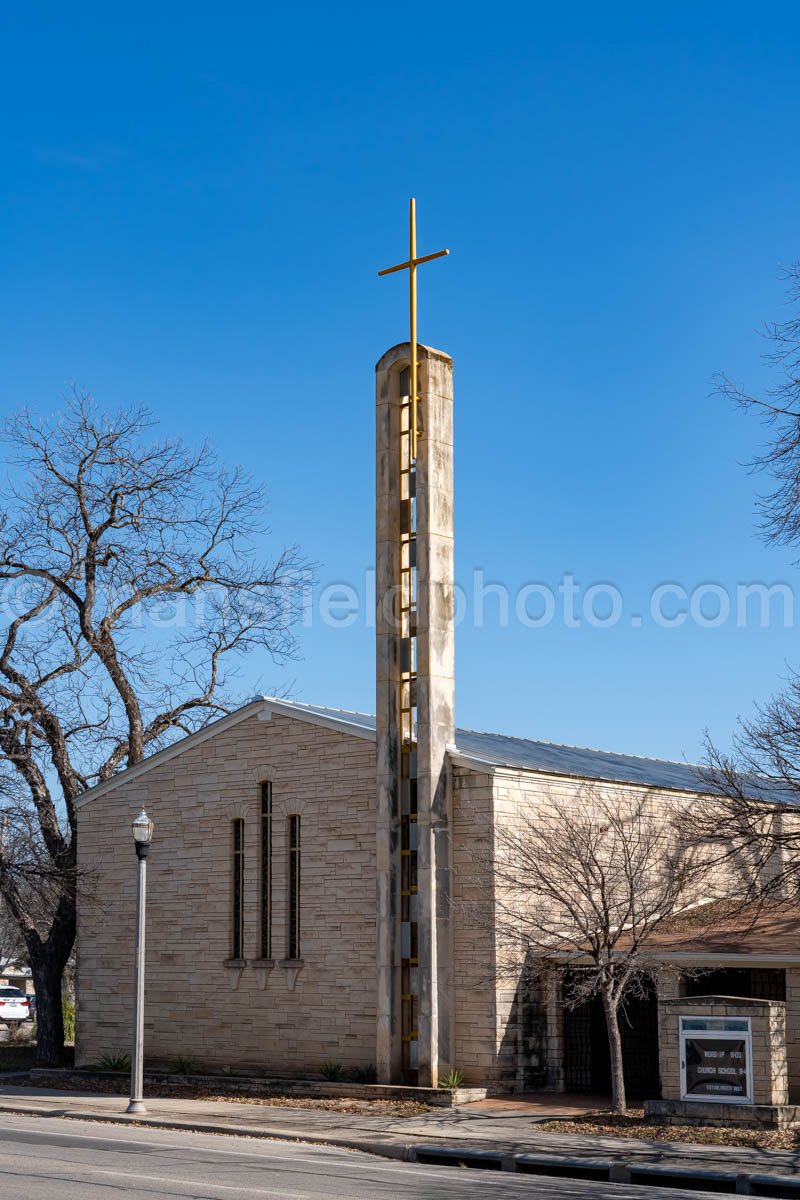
(196, 200)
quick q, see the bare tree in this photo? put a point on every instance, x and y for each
(758, 780)
(130, 577)
(779, 408)
(585, 884)
(750, 816)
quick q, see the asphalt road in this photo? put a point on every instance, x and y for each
(56, 1159)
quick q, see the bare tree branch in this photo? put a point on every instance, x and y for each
(757, 782)
(130, 577)
(780, 410)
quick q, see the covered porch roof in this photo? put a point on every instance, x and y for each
(767, 933)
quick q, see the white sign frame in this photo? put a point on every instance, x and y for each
(714, 1029)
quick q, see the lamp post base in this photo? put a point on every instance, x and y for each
(136, 1106)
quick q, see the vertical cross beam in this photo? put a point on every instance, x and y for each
(411, 266)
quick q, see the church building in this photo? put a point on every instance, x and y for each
(311, 869)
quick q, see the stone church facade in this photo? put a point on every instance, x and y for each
(212, 992)
(314, 872)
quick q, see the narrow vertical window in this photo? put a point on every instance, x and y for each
(294, 887)
(237, 906)
(266, 870)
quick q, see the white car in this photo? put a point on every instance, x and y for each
(14, 1005)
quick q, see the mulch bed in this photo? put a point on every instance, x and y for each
(634, 1125)
(188, 1091)
(21, 1056)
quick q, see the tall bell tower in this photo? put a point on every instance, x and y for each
(415, 701)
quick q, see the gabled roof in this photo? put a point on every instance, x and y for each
(12, 966)
(576, 761)
(479, 751)
(498, 750)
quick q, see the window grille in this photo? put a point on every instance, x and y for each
(265, 926)
(294, 887)
(237, 907)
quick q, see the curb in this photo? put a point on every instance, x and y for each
(741, 1183)
(379, 1149)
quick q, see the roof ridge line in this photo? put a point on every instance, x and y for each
(354, 712)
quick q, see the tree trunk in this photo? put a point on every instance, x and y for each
(47, 962)
(49, 1016)
(618, 1099)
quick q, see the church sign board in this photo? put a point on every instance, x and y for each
(716, 1059)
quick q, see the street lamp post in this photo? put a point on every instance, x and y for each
(142, 836)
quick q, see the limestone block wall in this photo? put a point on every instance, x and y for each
(793, 1032)
(522, 1060)
(267, 1015)
(553, 1048)
(474, 1021)
(768, 1023)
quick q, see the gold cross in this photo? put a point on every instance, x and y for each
(411, 267)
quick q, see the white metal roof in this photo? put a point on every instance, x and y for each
(489, 751)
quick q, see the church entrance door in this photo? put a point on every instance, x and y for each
(587, 1063)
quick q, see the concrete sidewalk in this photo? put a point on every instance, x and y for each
(473, 1127)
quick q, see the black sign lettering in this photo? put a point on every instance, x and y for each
(716, 1068)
